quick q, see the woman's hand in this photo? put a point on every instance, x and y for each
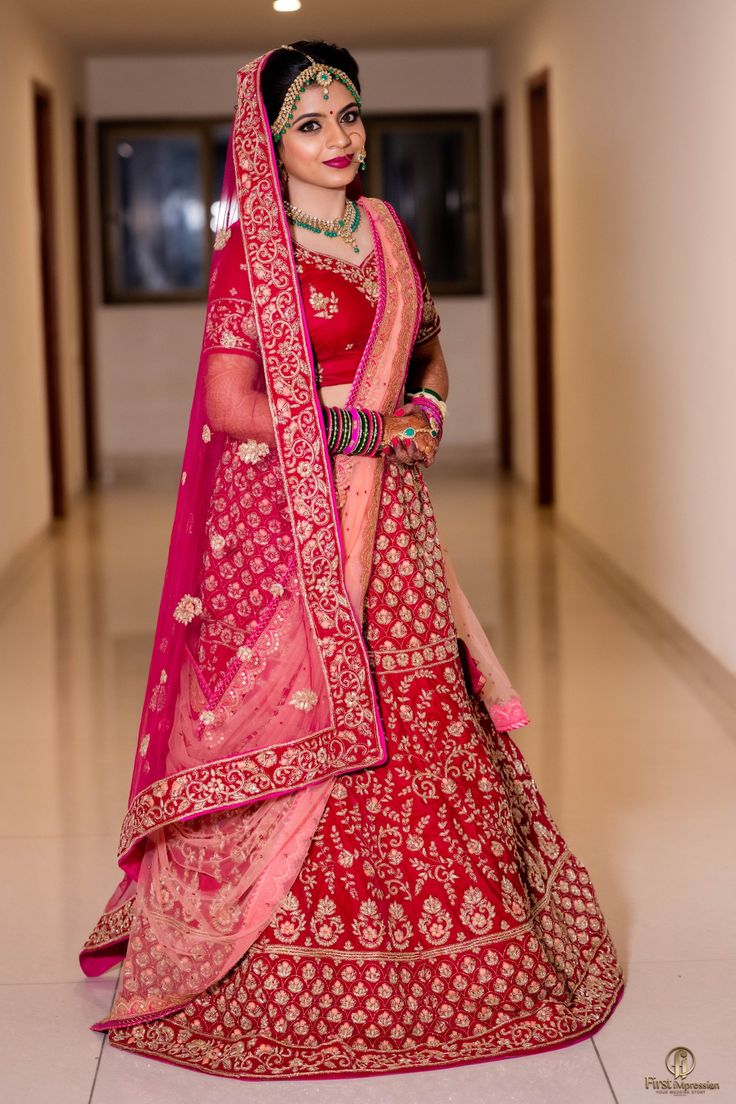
(420, 449)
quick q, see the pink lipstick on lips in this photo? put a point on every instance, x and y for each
(339, 162)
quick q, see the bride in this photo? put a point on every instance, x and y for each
(335, 860)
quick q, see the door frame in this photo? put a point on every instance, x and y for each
(86, 327)
(500, 186)
(43, 119)
(538, 118)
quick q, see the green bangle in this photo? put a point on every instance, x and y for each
(329, 411)
(428, 391)
(347, 429)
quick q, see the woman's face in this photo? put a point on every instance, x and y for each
(324, 130)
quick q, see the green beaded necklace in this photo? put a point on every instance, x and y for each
(331, 228)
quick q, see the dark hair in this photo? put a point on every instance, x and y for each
(283, 66)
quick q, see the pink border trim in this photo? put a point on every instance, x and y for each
(380, 305)
(417, 281)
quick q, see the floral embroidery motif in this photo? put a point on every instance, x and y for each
(187, 608)
(363, 276)
(477, 912)
(368, 925)
(183, 477)
(221, 237)
(324, 306)
(157, 698)
(207, 717)
(435, 923)
(144, 744)
(158, 694)
(250, 452)
(231, 324)
(289, 925)
(326, 924)
(303, 699)
(206, 434)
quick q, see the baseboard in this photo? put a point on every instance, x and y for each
(23, 564)
(671, 636)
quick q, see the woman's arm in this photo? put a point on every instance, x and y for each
(233, 402)
(428, 368)
(235, 406)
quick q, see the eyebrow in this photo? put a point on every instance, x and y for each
(321, 114)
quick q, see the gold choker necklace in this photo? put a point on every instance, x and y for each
(343, 227)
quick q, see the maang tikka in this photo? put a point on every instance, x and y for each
(317, 73)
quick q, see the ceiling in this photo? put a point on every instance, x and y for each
(185, 26)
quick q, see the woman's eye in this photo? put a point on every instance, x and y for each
(348, 117)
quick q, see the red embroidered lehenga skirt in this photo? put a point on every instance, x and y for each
(438, 917)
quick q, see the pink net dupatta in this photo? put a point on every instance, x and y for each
(485, 675)
(259, 691)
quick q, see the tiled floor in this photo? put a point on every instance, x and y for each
(636, 758)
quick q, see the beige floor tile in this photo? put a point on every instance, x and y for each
(54, 891)
(48, 1055)
(666, 1005)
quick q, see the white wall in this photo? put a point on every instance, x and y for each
(147, 355)
(27, 53)
(644, 179)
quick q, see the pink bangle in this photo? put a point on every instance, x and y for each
(434, 415)
(428, 405)
(356, 430)
(378, 431)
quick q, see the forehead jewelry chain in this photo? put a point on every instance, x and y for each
(317, 73)
(343, 227)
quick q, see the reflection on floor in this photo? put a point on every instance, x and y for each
(633, 753)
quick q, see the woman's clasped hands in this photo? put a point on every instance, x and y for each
(417, 447)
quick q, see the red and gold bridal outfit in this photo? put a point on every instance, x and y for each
(438, 916)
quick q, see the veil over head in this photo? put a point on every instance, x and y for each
(277, 718)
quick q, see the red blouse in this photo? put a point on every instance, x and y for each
(339, 298)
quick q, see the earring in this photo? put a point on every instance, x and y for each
(283, 174)
(362, 159)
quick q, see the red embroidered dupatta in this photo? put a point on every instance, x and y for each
(230, 779)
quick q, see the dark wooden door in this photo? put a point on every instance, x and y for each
(45, 192)
(501, 270)
(539, 134)
(91, 449)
